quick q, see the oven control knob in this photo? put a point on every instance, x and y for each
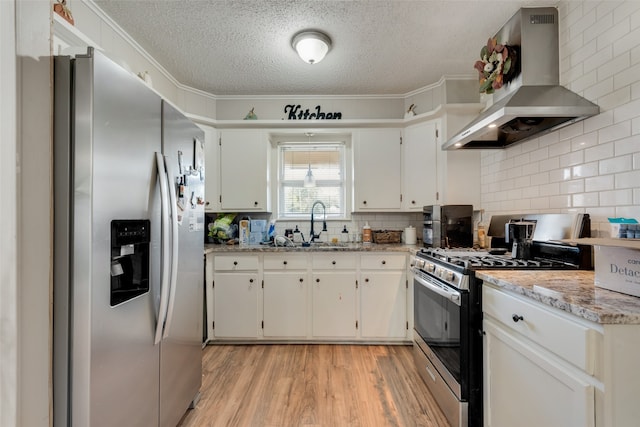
(430, 267)
(448, 276)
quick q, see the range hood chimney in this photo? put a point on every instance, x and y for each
(533, 103)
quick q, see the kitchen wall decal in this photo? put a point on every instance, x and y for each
(295, 112)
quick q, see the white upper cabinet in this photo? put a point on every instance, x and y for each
(420, 147)
(376, 178)
(211, 169)
(244, 170)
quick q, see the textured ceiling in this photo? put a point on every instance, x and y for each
(379, 47)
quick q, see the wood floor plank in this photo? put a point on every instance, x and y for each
(312, 385)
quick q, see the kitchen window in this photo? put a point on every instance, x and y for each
(327, 162)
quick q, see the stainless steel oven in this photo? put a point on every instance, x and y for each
(448, 318)
(447, 340)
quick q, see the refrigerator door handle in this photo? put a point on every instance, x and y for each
(164, 287)
(173, 202)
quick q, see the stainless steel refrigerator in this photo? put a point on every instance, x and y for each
(128, 250)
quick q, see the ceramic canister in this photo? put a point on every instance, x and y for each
(410, 236)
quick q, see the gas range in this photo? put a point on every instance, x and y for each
(455, 265)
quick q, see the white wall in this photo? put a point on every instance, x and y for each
(592, 166)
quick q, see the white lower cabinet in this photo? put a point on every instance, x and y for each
(333, 296)
(236, 284)
(383, 296)
(334, 304)
(208, 297)
(337, 296)
(530, 382)
(285, 289)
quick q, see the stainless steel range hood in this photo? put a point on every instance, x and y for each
(533, 103)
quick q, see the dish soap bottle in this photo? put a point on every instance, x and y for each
(345, 235)
(366, 233)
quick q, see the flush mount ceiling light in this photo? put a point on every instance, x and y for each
(311, 46)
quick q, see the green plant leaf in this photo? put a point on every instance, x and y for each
(485, 86)
(506, 66)
(484, 52)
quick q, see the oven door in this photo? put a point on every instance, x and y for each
(439, 312)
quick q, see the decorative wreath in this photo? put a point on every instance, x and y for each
(497, 65)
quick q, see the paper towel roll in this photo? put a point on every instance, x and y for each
(410, 236)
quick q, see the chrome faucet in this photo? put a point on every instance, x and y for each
(324, 220)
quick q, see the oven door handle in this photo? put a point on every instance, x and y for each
(451, 295)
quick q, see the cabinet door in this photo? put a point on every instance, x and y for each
(383, 304)
(376, 179)
(419, 166)
(236, 305)
(244, 168)
(212, 169)
(526, 386)
(334, 304)
(208, 296)
(285, 304)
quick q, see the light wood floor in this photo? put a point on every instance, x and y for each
(312, 385)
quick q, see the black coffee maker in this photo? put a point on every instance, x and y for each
(520, 235)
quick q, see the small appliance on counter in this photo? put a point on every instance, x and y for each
(520, 234)
(447, 226)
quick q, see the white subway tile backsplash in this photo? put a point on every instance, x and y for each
(549, 139)
(599, 28)
(540, 203)
(571, 159)
(586, 140)
(592, 166)
(603, 151)
(560, 148)
(627, 179)
(585, 51)
(627, 145)
(540, 179)
(600, 89)
(616, 197)
(628, 212)
(615, 98)
(539, 154)
(626, 43)
(616, 164)
(572, 187)
(559, 175)
(627, 111)
(635, 18)
(613, 33)
(550, 189)
(585, 200)
(560, 201)
(571, 131)
(585, 170)
(550, 164)
(614, 132)
(627, 77)
(599, 183)
(612, 67)
(605, 118)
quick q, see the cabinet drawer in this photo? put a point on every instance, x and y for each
(236, 262)
(285, 262)
(383, 262)
(336, 261)
(571, 340)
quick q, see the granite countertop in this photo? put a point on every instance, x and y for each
(571, 291)
(327, 247)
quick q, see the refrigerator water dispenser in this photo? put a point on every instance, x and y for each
(129, 259)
